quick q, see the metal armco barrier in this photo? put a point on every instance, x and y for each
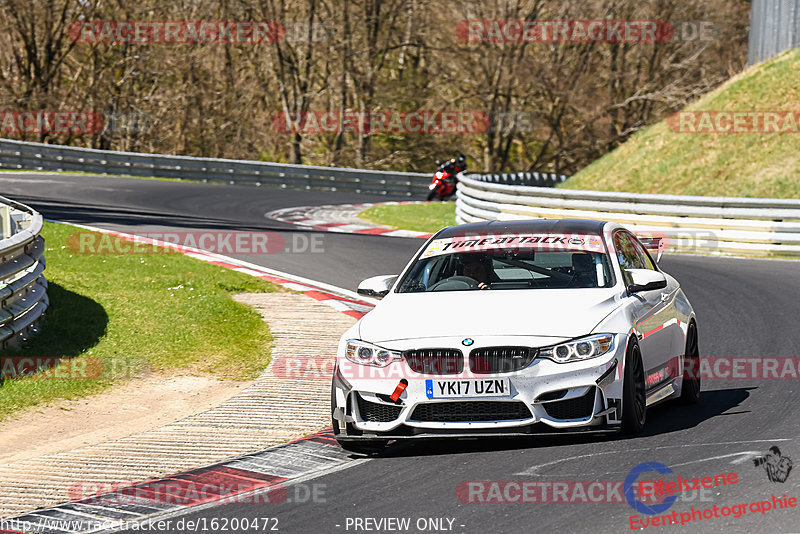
(533, 179)
(42, 157)
(23, 288)
(743, 226)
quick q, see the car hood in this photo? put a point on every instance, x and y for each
(565, 313)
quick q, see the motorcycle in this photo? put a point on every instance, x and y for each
(445, 178)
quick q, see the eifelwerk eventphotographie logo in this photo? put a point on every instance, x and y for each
(652, 497)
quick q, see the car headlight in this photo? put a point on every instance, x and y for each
(368, 354)
(579, 349)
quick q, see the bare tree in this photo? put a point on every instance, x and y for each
(36, 43)
(555, 106)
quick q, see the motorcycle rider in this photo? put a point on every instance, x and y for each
(445, 179)
(455, 166)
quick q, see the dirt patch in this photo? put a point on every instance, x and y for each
(142, 404)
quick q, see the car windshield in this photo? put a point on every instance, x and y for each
(450, 267)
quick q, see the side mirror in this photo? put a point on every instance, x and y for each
(377, 286)
(645, 280)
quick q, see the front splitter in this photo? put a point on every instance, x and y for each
(468, 435)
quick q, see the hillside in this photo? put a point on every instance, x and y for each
(687, 154)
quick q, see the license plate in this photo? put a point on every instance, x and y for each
(498, 387)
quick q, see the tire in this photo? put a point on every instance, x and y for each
(431, 196)
(634, 399)
(690, 389)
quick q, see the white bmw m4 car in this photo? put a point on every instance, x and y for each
(516, 328)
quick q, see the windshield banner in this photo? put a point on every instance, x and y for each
(514, 242)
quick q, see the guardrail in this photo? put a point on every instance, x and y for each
(530, 179)
(23, 288)
(747, 226)
(42, 157)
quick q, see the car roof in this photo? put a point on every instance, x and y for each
(561, 226)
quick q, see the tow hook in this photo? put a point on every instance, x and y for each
(401, 387)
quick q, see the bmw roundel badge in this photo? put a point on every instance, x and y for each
(468, 342)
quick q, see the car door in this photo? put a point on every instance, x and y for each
(673, 338)
(650, 314)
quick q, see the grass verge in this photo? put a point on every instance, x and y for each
(126, 314)
(664, 160)
(430, 217)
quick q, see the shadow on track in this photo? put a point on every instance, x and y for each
(91, 215)
(664, 419)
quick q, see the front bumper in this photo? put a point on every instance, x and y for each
(544, 397)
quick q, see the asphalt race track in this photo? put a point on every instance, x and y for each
(745, 308)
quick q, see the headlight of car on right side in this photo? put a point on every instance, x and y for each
(579, 349)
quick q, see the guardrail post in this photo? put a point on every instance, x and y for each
(5, 222)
